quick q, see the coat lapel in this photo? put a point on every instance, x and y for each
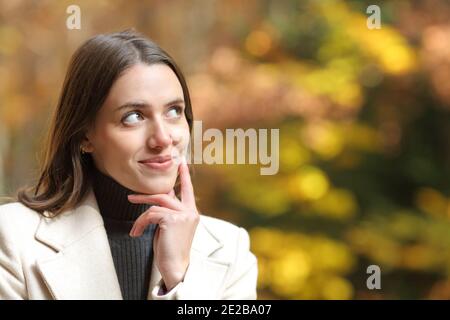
(82, 266)
(204, 267)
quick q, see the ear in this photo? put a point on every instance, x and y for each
(86, 144)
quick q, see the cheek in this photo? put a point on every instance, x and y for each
(181, 135)
(115, 144)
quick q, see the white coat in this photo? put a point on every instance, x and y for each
(68, 257)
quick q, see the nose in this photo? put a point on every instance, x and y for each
(159, 137)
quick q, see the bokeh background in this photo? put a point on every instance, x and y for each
(363, 118)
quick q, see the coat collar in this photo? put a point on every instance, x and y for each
(82, 266)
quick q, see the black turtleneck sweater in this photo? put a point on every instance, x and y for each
(132, 256)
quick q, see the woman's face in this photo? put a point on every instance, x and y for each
(142, 117)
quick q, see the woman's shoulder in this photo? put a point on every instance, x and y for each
(218, 225)
(224, 231)
(16, 210)
(17, 219)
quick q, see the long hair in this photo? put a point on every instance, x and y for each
(64, 176)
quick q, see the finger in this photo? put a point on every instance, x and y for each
(155, 215)
(187, 190)
(163, 200)
(156, 239)
(141, 224)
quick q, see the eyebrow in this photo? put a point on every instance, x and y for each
(142, 104)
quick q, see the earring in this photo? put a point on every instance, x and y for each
(82, 150)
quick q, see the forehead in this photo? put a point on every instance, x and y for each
(155, 84)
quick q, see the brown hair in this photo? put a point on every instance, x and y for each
(65, 172)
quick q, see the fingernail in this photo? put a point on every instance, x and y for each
(132, 231)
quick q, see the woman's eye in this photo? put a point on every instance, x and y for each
(134, 116)
(175, 111)
(131, 117)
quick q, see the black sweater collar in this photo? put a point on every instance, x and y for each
(112, 198)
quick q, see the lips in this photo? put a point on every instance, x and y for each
(158, 159)
(159, 163)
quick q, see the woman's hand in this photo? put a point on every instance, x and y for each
(177, 221)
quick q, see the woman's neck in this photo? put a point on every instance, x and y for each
(112, 198)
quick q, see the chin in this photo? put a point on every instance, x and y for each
(157, 186)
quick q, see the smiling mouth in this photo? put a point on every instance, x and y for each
(158, 165)
(159, 159)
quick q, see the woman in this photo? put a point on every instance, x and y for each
(113, 215)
